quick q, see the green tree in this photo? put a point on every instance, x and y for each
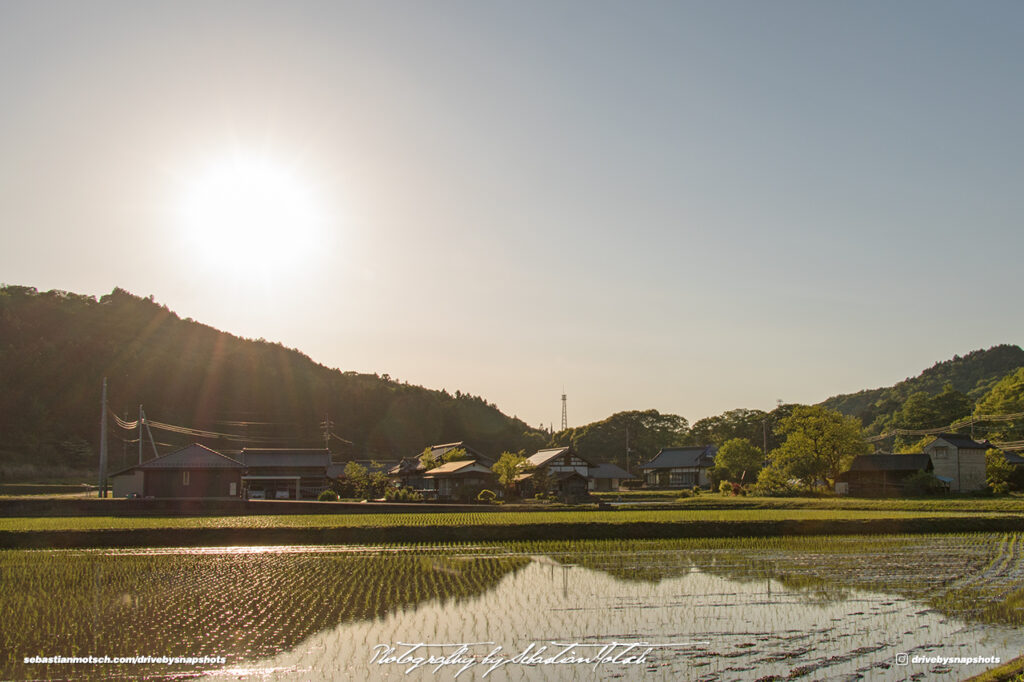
(737, 459)
(606, 441)
(508, 466)
(357, 480)
(820, 443)
(998, 472)
(1005, 397)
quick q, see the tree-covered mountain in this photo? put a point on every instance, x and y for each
(944, 392)
(56, 347)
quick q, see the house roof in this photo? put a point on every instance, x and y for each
(1013, 458)
(440, 450)
(542, 457)
(285, 457)
(459, 468)
(195, 456)
(406, 466)
(609, 470)
(881, 461)
(677, 458)
(958, 441)
(554, 476)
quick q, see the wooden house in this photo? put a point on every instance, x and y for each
(680, 467)
(461, 480)
(608, 477)
(556, 470)
(194, 471)
(959, 459)
(285, 473)
(882, 474)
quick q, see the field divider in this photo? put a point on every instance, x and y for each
(454, 533)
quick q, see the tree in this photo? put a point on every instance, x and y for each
(737, 459)
(606, 441)
(1005, 397)
(820, 443)
(508, 466)
(357, 480)
(998, 472)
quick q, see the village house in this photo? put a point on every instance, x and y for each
(411, 472)
(959, 459)
(882, 474)
(608, 477)
(461, 480)
(556, 470)
(285, 473)
(680, 467)
(194, 471)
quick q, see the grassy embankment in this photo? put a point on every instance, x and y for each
(370, 528)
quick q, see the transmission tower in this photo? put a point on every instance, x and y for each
(565, 420)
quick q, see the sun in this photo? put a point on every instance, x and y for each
(248, 210)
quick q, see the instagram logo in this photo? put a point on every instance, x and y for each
(902, 659)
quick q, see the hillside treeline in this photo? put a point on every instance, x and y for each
(56, 347)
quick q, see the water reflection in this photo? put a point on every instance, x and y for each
(729, 612)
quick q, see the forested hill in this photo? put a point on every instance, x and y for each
(56, 347)
(972, 375)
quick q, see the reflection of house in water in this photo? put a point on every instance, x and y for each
(558, 470)
(680, 467)
(195, 471)
(281, 473)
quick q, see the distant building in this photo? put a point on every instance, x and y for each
(882, 474)
(461, 480)
(608, 477)
(680, 467)
(285, 473)
(558, 470)
(195, 471)
(959, 459)
(410, 471)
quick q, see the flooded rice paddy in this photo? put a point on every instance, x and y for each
(838, 608)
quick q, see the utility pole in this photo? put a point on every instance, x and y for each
(140, 434)
(627, 448)
(327, 425)
(103, 441)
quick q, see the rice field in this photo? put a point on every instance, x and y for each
(767, 608)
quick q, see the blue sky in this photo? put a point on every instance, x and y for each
(691, 206)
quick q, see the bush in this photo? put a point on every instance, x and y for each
(696, 490)
(328, 496)
(921, 484)
(683, 494)
(725, 487)
(488, 496)
(406, 494)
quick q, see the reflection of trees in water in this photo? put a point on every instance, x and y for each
(970, 576)
(252, 604)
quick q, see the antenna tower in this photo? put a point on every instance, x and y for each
(565, 420)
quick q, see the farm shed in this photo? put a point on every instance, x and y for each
(882, 474)
(195, 471)
(282, 473)
(607, 476)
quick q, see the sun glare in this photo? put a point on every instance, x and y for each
(243, 211)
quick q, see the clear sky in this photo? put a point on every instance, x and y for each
(690, 206)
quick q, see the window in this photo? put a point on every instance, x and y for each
(184, 477)
(941, 452)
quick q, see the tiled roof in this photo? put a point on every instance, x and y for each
(958, 441)
(918, 461)
(195, 456)
(280, 457)
(677, 458)
(609, 470)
